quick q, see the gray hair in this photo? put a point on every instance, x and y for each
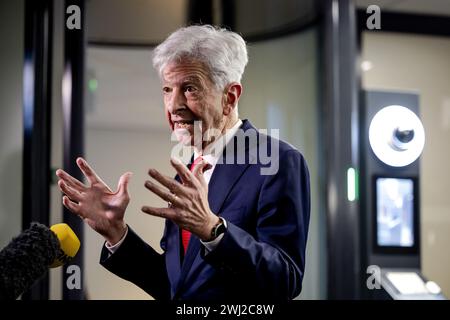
(223, 52)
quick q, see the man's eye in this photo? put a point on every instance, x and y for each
(166, 89)
(190, 89)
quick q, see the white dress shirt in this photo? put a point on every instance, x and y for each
(211, 154)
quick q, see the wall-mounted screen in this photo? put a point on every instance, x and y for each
(395, 212)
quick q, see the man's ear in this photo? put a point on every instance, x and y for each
(231, 97)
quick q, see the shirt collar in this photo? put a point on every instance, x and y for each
(214, 150)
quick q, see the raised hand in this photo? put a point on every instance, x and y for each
(189, 207)
(101, 208)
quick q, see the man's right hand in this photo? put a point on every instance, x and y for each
(102, 209)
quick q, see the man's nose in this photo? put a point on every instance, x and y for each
(177, 101)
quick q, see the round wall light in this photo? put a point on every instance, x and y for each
(396, 135)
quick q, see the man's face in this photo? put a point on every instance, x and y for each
(190, 95)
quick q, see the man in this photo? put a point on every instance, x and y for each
(233, 231)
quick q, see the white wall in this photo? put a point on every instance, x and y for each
(111, 153)
(11, 122)
(422, 64)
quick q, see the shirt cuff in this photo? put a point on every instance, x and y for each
(211, 245)
(113, 248)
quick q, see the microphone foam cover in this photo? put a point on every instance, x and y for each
(69, 244)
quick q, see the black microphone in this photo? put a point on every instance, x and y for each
(28, 256)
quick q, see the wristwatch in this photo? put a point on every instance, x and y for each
(218, 229)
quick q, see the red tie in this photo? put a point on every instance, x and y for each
(186, 235)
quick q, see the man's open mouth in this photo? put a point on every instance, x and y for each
(183, 124)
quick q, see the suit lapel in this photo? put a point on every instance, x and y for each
(222, 181)
(225, 174)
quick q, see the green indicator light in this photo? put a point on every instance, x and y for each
(93, 85)
(352, 184)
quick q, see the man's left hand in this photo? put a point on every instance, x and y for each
(188, 200)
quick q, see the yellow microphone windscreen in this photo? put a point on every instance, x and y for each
(69, 243)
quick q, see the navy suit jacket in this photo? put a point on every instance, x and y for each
(262, 254)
